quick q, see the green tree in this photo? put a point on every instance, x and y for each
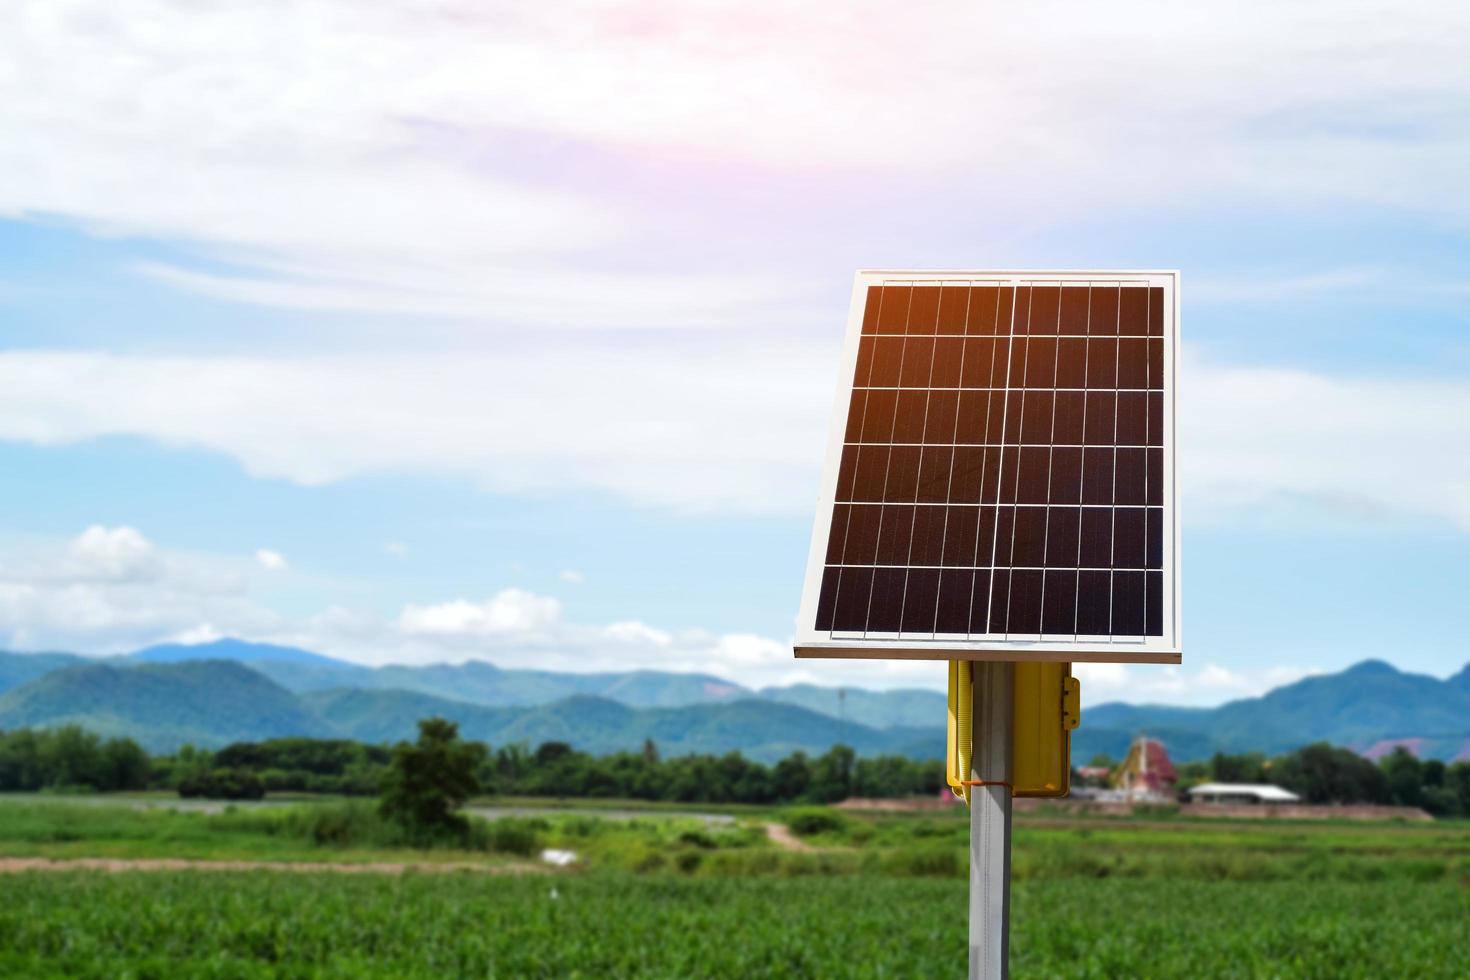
(1457, 784)
(793, 775)
(832, 775)
(1405, 777)
(428, 781)
(1248, 768)
(1320, 773)
(124, 765)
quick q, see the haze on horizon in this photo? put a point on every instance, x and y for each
(411, 332)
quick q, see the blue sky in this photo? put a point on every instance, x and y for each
(428, 333)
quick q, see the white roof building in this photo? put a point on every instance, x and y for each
(1241, 793)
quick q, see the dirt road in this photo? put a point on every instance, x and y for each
(15, 865)
(782, 837)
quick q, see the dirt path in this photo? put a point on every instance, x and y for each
(781, 835)
(15, 865)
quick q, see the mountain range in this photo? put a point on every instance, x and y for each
(231, 690)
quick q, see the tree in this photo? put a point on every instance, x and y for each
(428, 781)
(1321, 773)
(1248, 768)
(124, 764)
(832, 775)
(1405, 777)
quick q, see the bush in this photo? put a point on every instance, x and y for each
(511, 836)
(222, 784)
(806, 823)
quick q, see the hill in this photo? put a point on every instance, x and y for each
(164, 701)
(17, 668)
(240, 651)
(876, 709)
(210, 703)
(476, 681)
(204, 702)
(1370, 702)
(758, 729)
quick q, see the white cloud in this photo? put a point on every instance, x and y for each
(1204, 685)
(466, 158)
(1352, 445)
(511, 611)
(118, 554)
(736, 430)
(396, 549)
(49, 602)
(271, 561)
(636, 632)
(111, 589)
(571, 576)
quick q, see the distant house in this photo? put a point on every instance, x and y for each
(1147, 773)
(1248, 793)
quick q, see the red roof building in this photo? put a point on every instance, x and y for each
(1147, 772)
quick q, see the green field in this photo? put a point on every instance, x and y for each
(669, 896)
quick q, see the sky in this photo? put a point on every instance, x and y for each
(413, 332)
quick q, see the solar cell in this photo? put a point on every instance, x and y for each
(1001, 483)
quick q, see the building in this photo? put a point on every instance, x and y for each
(1147, 775)
(1247, 793)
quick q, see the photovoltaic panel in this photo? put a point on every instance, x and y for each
(1001, 479)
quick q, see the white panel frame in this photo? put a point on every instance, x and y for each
(1167, 648)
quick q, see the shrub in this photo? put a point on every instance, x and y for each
(807, 823)
(222, 784)
(512, 836)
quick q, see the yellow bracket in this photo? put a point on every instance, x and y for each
(960, 730)
(1047, 707)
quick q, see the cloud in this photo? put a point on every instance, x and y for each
(118, 554)
(1201, 686)
(571, 576)
(562, 164)
(49, 601)
(677, 428)
(271, 561)
(396, 549)
(1353, 446)
(110, 589)
(511, 611)
(738, 430)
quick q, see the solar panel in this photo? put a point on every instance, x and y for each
(1001, 479)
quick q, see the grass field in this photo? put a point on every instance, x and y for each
(669, 896)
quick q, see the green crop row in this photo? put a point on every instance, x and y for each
(258, 924)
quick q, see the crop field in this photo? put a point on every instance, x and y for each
(672, 896)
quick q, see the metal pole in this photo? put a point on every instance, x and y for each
(990, 822)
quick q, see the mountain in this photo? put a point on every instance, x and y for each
(758, 729)
(240, 651)
(877, 709)
(17, 668)
(258, 691)
(204, 702)
(210, 703)
(1370, 702)
(484, 683)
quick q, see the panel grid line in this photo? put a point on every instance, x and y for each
(913, 521)
(887, 465)
(1050, 459)
(985, 463)
(949, 484)
(1077, 580)
(1000, 482)
(1054, 449)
